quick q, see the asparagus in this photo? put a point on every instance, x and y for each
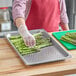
(71, 35)
(24, 50)
(68, 39)
(15, 37)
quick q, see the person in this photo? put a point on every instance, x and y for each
(39, 14)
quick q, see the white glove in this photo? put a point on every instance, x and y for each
(28, 38)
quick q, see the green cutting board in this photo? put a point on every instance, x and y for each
(58, 35)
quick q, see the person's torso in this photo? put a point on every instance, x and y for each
(44, 14)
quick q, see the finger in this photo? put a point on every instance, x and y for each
(33, 43)
(29, 42)
(26, 42)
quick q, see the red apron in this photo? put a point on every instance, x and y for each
(44, 14)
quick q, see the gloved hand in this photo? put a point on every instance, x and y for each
(28, 38)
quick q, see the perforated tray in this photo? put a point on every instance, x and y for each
(47, 54)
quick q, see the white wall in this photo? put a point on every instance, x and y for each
(5, 3)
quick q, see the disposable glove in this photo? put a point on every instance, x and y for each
(28, 38)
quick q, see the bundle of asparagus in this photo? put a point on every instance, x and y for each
(71, 35)
(24, 50)
(70, 38)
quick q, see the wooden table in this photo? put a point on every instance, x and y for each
(11, 64)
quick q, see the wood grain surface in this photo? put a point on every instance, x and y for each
(12, 65)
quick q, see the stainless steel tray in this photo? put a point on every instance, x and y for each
(47, 54)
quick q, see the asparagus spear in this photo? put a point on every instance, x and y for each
(69, 40)
(15, 37)
(71, 35)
